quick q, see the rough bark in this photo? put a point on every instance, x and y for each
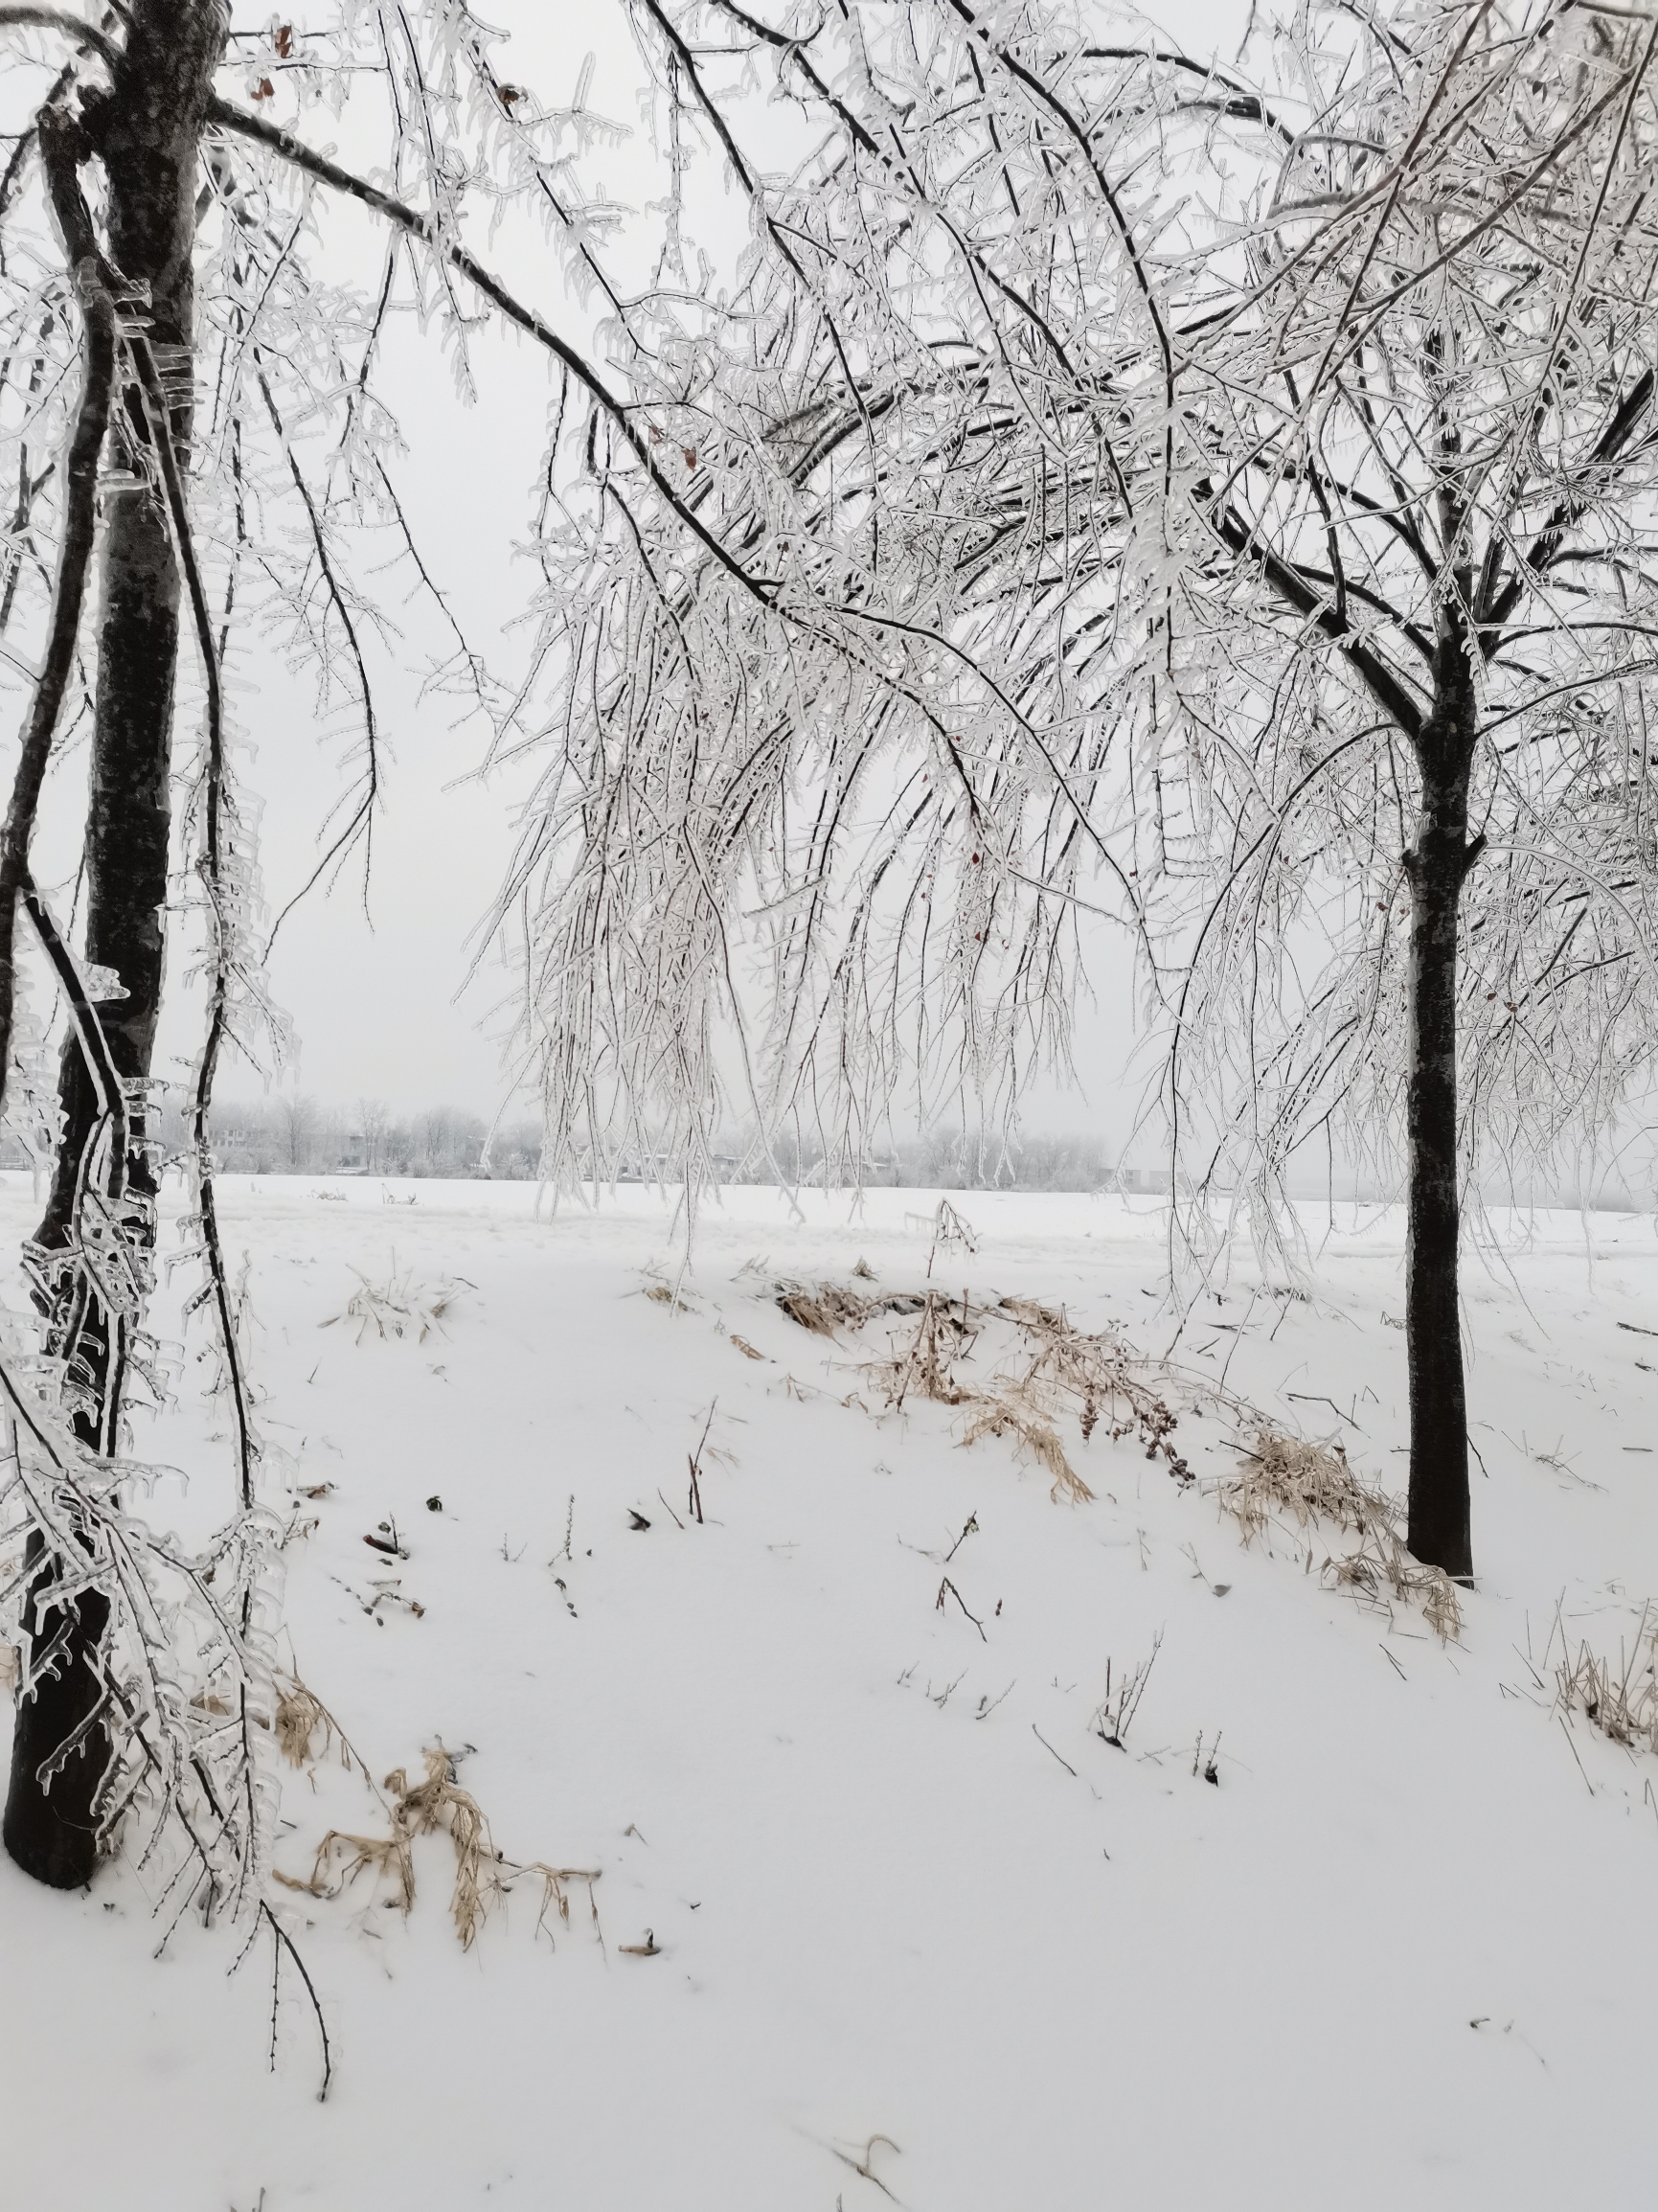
(146, 133)
(1435, 867)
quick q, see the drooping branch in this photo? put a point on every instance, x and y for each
(1497, 604)
(1243, 103)
(1297, 593)
(59, 153)
(1044, 95)
(361, 820)
(161, 444)
(301, 156)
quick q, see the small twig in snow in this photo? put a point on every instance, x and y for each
(947, 1587)
(971, 1529)
(1567, 1733)
(1047, 1746)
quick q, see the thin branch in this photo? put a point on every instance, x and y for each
(59, 153)
(424, 228)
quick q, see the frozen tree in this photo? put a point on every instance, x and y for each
(1222, 504)
(99, 316)
(1418, 632)
(191, 412)
(300, 1123)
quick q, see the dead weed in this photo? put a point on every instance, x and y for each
(299, 1715)
(437, 1804)
(1060, 1372)
(1307, 1481)
(1286, 1475)
(1621, 1700)
(402, 1305)
(1055, 1372)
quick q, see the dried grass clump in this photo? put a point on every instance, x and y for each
(827, 1310)
(1011, 1410)
(434, 1804)
(402, 1305)
(1621, 1700)
(420, 1809)
(830, 1309)
(299, 1715)
(1383, 1561)
(1312, 1482)
(943, 1333)
(1307, 1481)
(1064, 1372)
(1098, 1374)
(423, 1809)
(1007, 1405)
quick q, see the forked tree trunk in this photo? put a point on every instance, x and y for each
(1435, 867)
(147, 133)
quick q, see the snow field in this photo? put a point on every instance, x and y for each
(898, 1885)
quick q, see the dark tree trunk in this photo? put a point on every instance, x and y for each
(146, 133)
(1435, 866)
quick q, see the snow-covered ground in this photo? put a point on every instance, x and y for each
(902, 1922)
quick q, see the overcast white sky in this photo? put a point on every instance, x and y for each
(377, 998)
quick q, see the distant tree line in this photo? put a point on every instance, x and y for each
(942, 1159)
(302, 1135)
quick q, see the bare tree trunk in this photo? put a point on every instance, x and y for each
(1437, 866)
(146, 133)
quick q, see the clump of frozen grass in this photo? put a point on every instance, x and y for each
(1012, 1410)
(402, 1305)
(1621, 1700)
(827, 1310)
(925, 1367)
(1053, 1372)
(1015, 1405)
(1285, 1476)
(1383, 1561)
(298, 1716)
(1097, 1375)
(1061, 1372)
(435, 1804)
